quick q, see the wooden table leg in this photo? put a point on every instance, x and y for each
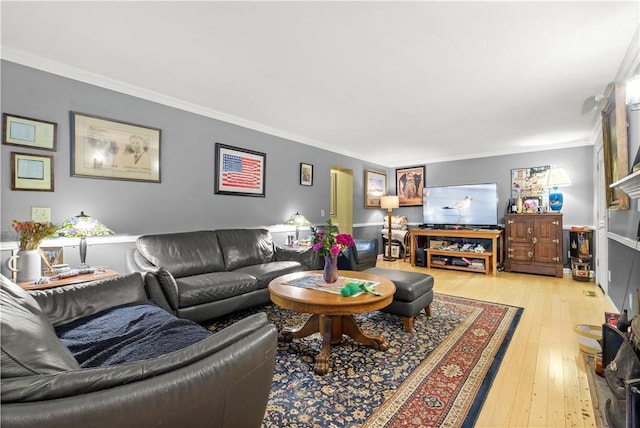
(331, 328)
(351, 329)
(322, 359)
(311, 326)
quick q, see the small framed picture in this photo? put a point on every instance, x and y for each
(53, 256)
(395, 251)
(375, 186)
(27, 132)
(409, 185)
(239, 172)
(531, 204)
(31, 172)
(306, 174)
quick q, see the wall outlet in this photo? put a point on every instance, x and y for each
(321, 213)
(41, 214)
(630, 301)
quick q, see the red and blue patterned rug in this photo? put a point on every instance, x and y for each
(437, 376)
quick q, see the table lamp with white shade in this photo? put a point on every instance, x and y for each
(556, 177)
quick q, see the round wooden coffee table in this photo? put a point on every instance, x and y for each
(332, 314)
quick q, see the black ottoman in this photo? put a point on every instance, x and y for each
(414, 292)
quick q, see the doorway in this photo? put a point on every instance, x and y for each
(341, 199)
(602, 246)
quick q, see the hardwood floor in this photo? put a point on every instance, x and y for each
(542, 380)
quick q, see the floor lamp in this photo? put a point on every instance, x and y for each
(389, 202)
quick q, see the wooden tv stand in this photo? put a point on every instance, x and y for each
(492, 258)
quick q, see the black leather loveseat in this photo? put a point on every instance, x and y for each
(222, 379)
(205, 274)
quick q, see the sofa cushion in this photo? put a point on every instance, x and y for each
(29, 343)
(184, 253)
(198, 289)
(245, 247)
(265, 272)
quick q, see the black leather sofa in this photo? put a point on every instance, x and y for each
(222, 380)
(203, 275)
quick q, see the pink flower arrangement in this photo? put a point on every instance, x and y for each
(328, 242)
(31, 233)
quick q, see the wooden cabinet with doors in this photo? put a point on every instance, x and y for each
(533, 243)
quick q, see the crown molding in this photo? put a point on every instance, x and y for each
(44, 64)
(631, 61)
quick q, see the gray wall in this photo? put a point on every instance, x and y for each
(185, 199)
(624, 261)
(578, 198)
(578, 162)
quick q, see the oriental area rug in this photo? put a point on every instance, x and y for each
(437, 376)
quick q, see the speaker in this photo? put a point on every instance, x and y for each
(421, 258)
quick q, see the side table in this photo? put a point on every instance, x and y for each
(78, 279)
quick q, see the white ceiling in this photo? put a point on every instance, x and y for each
(394, 83)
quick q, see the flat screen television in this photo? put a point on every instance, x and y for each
(468, 205)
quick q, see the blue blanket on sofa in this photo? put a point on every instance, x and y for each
(128, 333)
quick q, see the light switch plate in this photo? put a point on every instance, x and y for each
(41, 214)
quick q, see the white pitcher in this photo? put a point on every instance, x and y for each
(28, 265)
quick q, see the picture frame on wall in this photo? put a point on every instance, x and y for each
(614, 140)
(410, 183)
(32, 172)
(636, 162)
(239, 172)
(114, 150)
(27, 132)
(306, 174)
(528, 181)
(375, 186)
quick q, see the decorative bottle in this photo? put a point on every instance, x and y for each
(519, 204)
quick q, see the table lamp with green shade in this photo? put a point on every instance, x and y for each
(83, 226)
(297, 220)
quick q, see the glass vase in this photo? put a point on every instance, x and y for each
(330, 272)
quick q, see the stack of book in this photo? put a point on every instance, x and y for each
(473, 263)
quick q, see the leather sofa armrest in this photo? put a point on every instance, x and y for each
(369, 245)
(303, 256)
(164, 296)
(138, 263)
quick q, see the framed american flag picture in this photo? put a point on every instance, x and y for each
(239, 171)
